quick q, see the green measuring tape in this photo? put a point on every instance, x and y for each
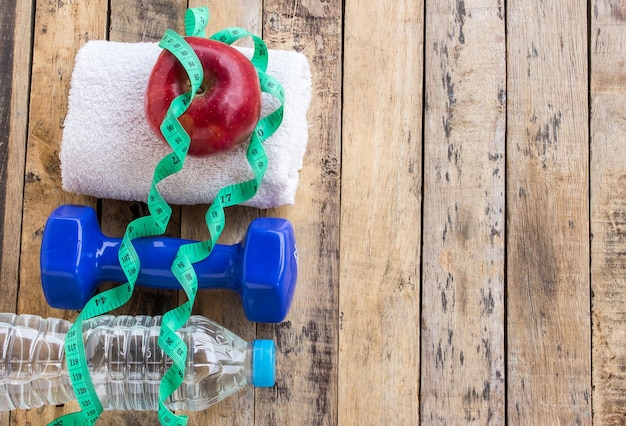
(156, 224)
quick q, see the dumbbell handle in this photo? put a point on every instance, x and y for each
(76, 257)
(219, 270)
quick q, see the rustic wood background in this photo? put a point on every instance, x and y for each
(461, 214)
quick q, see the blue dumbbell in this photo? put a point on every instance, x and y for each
(76, 257)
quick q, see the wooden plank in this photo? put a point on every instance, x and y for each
(548, 317)
(138, 21)
(462, 371)
(306, 385)
(60, 28)
(608, 209)
(238, 13)
(7, 52)
(381, 195)
(225, 307)
(8, 231)
(15, 52)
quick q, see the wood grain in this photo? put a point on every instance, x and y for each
(306, 384)
(60, 28)
(15, 53)
(137, 21)
(7, 53)
(381, 184)
(548, 321)
(237, 13)
(463, 369)
(608, 209)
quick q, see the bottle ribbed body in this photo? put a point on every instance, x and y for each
(124, 359)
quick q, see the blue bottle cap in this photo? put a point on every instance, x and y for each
(263, 363)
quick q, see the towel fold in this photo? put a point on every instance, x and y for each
(108, 150)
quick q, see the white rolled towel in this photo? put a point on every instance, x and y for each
(108, 150)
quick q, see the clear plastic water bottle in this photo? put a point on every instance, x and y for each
(126, 362)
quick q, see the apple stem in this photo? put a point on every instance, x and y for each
(200, 90)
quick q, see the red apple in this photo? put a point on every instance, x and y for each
(226, 108)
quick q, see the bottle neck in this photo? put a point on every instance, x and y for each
(248, 364)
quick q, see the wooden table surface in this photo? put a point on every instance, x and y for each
(460, 217)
